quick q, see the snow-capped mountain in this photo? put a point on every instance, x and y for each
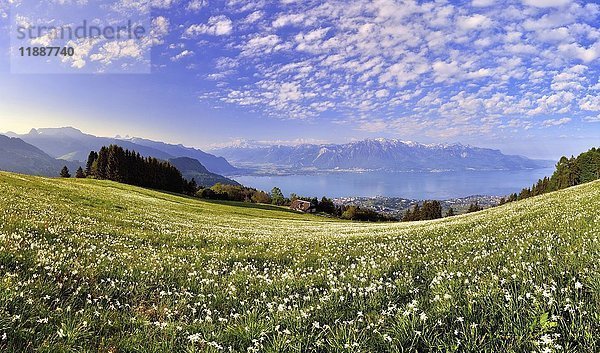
(377, 154)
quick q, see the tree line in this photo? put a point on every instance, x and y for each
(129, 167)
(569, 172)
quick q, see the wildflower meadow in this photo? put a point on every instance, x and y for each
(96, 266)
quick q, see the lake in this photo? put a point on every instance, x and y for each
(411, 185)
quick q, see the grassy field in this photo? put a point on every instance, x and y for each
(93, 266)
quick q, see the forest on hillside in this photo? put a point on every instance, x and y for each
(569, 172)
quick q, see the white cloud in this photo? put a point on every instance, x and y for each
(482, 3)
(556, 122)
(217, 26)
(590, 103)
(285, 20)
(474, 68)
(162, 4)
(196, 5)
(160, 27)
(476, 21)
(116, 50)
(479, 73)
(225, 63)
(254, 16)
(261, 45)
(289, 91)
(581, 52)
(444, 71)
(570, 79)
(592, 119)
(83, 47)
(374, 125)
(547, 3)
(184, 54)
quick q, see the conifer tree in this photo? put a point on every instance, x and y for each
(93, 156)
(474, 207)
(64, 173)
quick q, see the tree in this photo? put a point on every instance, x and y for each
(115, 169)
(90, 163)
(431, 210)
(64, 173)
(206, 193)
(79, 174)
(261, 197)
(100, 164)
(190, 187)
(326, 206)
(124, 166)
(450, 212)
(474, 207)
(414, 215)
(525, 193)
(356, 213)
(350, 213)
(277, 196)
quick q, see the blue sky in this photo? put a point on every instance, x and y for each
(517, 75)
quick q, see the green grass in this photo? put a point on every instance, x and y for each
(94, 266)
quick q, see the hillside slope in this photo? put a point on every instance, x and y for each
(192, 169)
(98, 266)
(18, 156)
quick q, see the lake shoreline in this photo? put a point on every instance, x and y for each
(410, 185)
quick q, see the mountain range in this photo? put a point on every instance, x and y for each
(375, 154)
(71, 147)
(71, 144)
(42, 151)
(20, 157)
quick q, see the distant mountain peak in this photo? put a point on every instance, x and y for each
(67, 130)
(377, 154)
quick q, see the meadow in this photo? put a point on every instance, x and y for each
(96, 266)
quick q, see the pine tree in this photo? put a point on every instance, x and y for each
(326, 206)
(64, 173)
(431, 210)
(450, 212)
(101, 163)
(412, 215)
(79, 174)
(93, 156)
(114, 166)
(474, 207)
(191, 187)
